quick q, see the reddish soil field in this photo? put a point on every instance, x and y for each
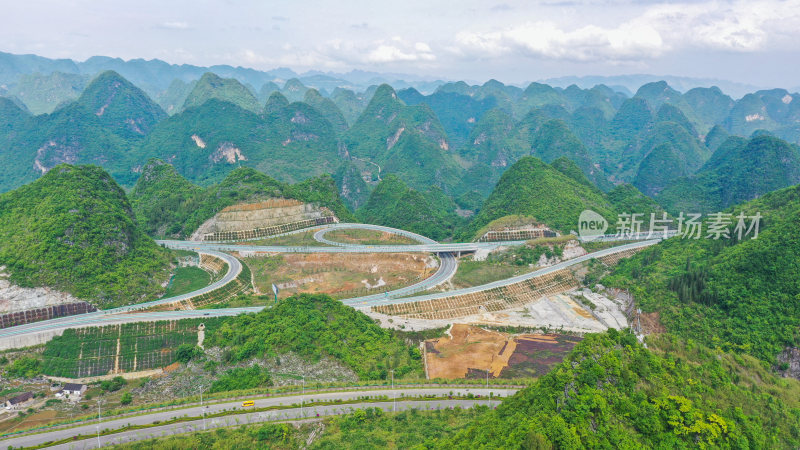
(536, 354)
(471, 351)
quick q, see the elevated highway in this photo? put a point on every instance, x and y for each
(40, 332)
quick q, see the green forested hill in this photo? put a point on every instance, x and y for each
(659, 93)
(392, 203)
(211, 86)
(168, 205)
(715, 137)
(162, 197)
(737, 295)
(100, 127)
(458, 113)
(670, 113)
(121, 107)
(611, 392)
(172, 100)
(627, 199)
(711, 105)
(554, 140)
(350, 103)
(739, 170)
(44, 93)
(275, 103)
(327, 108)
(532, 188)
(352, 187)
(205, 143)
(315, 326)
(667, 151)
(294, 90)
(405, 140)
(74, 230)
(494, 142)
(11, 116)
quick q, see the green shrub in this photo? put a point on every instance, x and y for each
(242, 378)
(24, 367)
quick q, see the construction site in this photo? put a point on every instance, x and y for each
(280, 248)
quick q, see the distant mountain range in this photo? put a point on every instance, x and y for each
(155, 76)
(630, 83)
(448, 149)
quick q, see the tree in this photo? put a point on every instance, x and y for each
(187, 352)
(24, 367)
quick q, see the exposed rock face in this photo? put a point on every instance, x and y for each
(227, 152)
(15, 298)
(571, 250)
(789, 362)
(53, 153)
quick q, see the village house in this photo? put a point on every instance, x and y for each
(20, 401)
(73, 391)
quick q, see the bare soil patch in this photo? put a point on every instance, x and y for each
(471, 351)
(338, 274)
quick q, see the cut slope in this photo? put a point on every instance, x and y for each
(171, 206)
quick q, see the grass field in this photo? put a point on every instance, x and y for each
(304, 239)
(368, 237)
(475, 273)
(187, 279)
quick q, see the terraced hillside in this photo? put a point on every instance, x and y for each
(132, 347)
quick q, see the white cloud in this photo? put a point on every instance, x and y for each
(175, 25)
(343, 53)
(660, 28)
(400, 51)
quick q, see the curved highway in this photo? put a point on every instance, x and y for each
(447, 266)
(234, 269)
(508, 281)
(406, 398)
(320, 234)
(39, 332)
(13, 337)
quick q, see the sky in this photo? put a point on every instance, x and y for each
(755, 42)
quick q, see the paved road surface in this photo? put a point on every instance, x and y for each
(508, 281)
(447, 267)
(310, 411)
(15, 336)
(320, 234)
(282, 416)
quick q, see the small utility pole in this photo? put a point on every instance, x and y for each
(303, 397)
(487, 378)
(98, 423)
(203, 408)
(394, 395)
